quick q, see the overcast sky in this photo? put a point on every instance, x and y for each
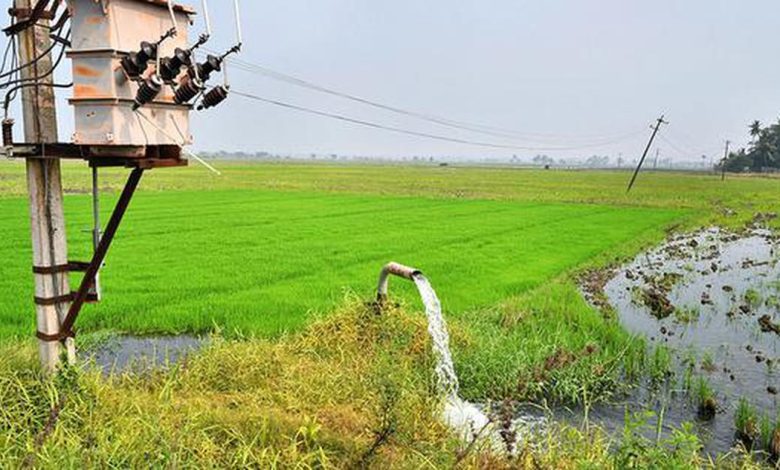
(574, 69)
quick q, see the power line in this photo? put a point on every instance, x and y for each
(34, 60)
(675, 147)
(683, 144)
(400, 130)
(461, 125)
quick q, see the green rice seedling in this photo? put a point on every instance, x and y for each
(766, 428)
(747, 423)
(686, 315)
(773, 443)
(294, 264)
(706, 404)
(708, 363)
(634, 361)
(303, 249)
(752, 298)
(688, 379)
(668, 281)
(660, 364)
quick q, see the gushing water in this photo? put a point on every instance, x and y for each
(446, 378)
(465, 418)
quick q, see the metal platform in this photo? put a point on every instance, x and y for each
(148, 157)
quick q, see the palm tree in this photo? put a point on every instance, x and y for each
(755, 129)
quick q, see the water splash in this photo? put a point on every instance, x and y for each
(466, 419)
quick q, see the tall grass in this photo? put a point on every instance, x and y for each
(354, 390)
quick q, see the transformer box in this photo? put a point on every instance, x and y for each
(103, 33)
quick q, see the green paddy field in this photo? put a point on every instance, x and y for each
(260, 249)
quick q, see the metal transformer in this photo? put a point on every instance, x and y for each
(103, 33)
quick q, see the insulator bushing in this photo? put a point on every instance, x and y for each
(170, 67)
(188, 90)
(147, 52)
(130, 66)
(8, 132)
(214, 97)
(204, 69)
(148, 91)
(135, 63)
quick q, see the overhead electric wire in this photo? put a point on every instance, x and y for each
(34, 61)
(7, 102)
(16, 82)
(461, 125)
(51, 70)
(21, 83)
(679, 148)
(400, 130)
(14, 62)
(685, 144)
(8, 48)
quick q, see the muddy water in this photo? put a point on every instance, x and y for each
(130, 353)
(713, 296)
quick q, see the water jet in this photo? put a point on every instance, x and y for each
(466, 419)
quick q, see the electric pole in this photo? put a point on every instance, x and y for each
(657, 126)
(657, 154)
(725, 159)
(49, 244)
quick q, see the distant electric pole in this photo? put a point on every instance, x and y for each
(657, 154)
(725, 159)
(656, 128)
(44, 183)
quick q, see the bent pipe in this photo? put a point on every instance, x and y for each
(395, 269)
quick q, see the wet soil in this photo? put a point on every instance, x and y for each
(712, 297)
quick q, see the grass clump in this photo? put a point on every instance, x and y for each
(706, 403)
(354, 390)
(753, 298)
(660, 364)
(747, 424)
(547, 344)
(686, 315)
(708, 363)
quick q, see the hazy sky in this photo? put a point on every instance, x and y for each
(597, 69)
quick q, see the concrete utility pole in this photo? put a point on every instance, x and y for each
(657, 126)
(725, 159)
(49, 244)
(657, 154)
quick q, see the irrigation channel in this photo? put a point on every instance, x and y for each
(713, 299)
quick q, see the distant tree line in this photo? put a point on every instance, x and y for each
(763, 153)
